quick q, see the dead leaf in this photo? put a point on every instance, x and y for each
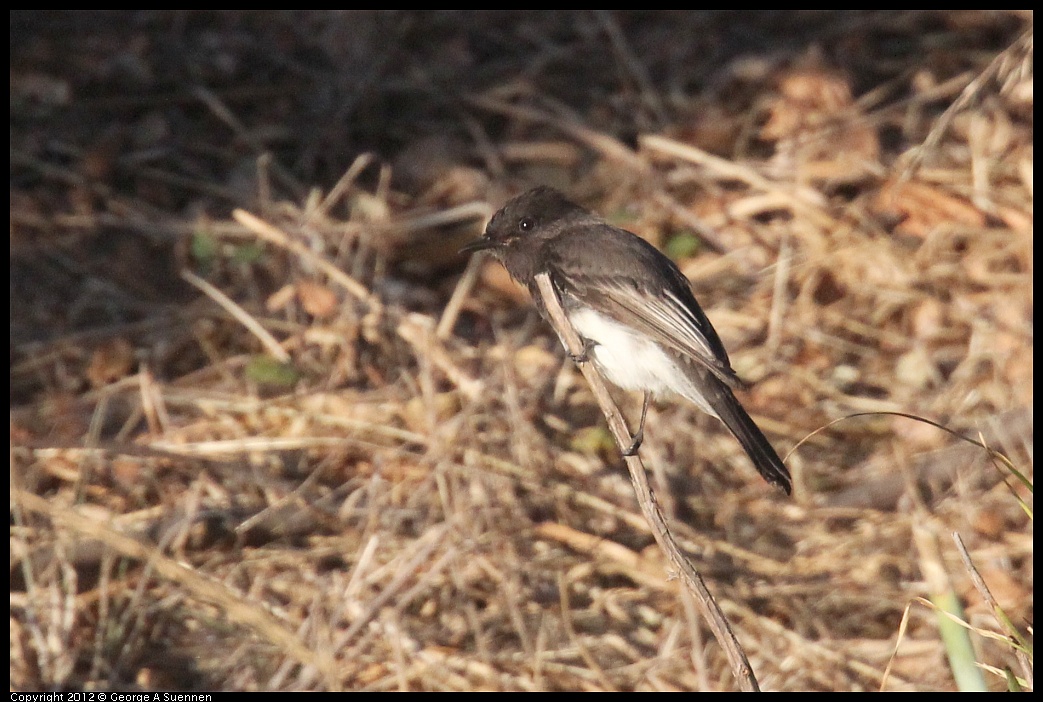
(920, 208)
(317, 299)
(110, 362)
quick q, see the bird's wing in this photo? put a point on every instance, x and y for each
(670, 314)
(667, 317)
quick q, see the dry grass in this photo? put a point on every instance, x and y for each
(318, 467)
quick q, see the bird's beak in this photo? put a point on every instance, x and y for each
(479, 245)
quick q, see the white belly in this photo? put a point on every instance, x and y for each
(631, 361)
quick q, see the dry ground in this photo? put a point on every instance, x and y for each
(291, 447)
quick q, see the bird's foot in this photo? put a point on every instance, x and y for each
(584, 355)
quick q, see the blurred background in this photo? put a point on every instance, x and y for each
(270, 431)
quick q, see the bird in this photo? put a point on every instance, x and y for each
(632, 307)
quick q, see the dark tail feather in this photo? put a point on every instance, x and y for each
(764, 458)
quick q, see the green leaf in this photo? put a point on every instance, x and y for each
(685, 244)
(592, 440)
(204, 249)
(265, 370)
(248, 253)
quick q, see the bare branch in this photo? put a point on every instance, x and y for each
(649, 507)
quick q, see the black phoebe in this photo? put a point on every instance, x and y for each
(631, 305)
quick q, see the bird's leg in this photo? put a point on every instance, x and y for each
(640, 435)
(584, 355)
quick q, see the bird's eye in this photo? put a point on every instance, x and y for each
(526, 224)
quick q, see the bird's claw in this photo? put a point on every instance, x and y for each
(584, 355)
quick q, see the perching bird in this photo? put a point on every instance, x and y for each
(631, 305)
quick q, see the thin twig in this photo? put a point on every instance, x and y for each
(253, 326)
(233, 605)
(1000, 65)
(274, 235)
(454, 215)
(609, 147)
(633, 65)
(419, 331)
(800, 197)
(343, 185)
(457, 299)
(646, 499)
(779, 298)
(220, 109)
(997, 611)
